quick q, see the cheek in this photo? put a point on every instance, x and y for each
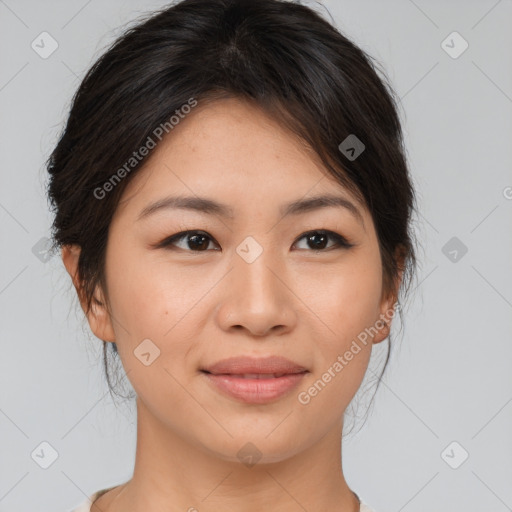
(346, 303)
(158, 301)
(150, 322)
(148, 296)
(347, 296)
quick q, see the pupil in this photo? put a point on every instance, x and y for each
(320, 245)
(194, 244)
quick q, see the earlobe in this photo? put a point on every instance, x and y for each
(384, 322)
(98, 316)
(384, 329)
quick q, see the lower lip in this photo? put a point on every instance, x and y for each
(255, 391)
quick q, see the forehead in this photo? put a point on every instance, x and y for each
(232, 131)
(231, 150)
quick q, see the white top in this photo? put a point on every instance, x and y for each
(86, 505)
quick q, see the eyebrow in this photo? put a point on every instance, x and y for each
(211, 207)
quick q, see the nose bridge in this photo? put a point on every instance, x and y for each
(255, 272)
(256, 298)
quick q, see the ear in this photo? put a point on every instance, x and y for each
(388, 303)
(98, 317)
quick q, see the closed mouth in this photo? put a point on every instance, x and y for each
(254, 375)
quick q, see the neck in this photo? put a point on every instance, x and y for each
(173, 474)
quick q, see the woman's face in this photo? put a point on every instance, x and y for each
(257, 280)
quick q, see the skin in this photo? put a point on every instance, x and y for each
(201, 306)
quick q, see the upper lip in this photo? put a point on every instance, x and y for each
(244, 364)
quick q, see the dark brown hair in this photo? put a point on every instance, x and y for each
(283, 57)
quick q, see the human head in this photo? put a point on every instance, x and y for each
(278, 56)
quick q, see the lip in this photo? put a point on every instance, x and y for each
(255, 391)
(245, 364)
(226, 376)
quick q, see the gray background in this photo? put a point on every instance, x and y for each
(450, 380)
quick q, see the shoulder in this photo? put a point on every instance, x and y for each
(86, 505)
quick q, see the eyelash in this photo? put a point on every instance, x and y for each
(340, 241)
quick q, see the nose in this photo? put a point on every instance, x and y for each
(256, 298)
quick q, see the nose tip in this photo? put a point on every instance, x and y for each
(256, 300)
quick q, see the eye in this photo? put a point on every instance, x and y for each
(195, 241)
(317, 240)
(199, 241)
